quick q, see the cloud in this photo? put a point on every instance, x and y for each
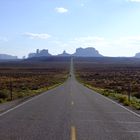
(84, 42)
(90, 41)
(3, 39)
(130, 40)
(61, 10)
(123, 46)
(37, 35)
(82, 4)
(133, 0)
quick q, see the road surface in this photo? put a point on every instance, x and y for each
(69, 112)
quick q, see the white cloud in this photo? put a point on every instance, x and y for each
(131, 39)
(82, 4)
(90, 41)
(100, 41)
(3, 39)
(37, 35)
(61, 10)
(84, 42)
(124, 46)
(133, 0)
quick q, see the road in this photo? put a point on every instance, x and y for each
(69, 112)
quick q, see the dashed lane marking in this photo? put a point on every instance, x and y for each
(72, 103)
(73, 133)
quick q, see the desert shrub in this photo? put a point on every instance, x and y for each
(137, 95)
(34, 87)
(106, 94)
(20, 95)
(137, 106)
(126, 103)
(3, 95)
(1, 100)
(122, 99)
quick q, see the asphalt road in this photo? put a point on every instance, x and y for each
(69, 112)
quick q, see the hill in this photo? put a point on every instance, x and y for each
(87, 52)
(137, 55)
(39, 53)
(64, 54)
(7, 57)
(80, 52)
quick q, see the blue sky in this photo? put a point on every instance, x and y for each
(110, 26)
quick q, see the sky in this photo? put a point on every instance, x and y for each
(110, 26)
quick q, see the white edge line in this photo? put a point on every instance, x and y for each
(21, 104)
(25, 102)
(134, 113)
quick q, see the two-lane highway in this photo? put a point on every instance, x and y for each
(69, 112)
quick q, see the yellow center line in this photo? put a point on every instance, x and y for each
(73, 133)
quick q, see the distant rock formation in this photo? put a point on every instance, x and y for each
(80, 52)
(39, 53)
(137, 55)
(7, 57)
(87, 52)
(64, 54)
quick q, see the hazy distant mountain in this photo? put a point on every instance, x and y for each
(137, 55)
(6, 56)
(39, 53)
(87, 52)
(64, 54)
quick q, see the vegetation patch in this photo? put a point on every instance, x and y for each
(134, 102)
(29, 78)
(112, 77)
